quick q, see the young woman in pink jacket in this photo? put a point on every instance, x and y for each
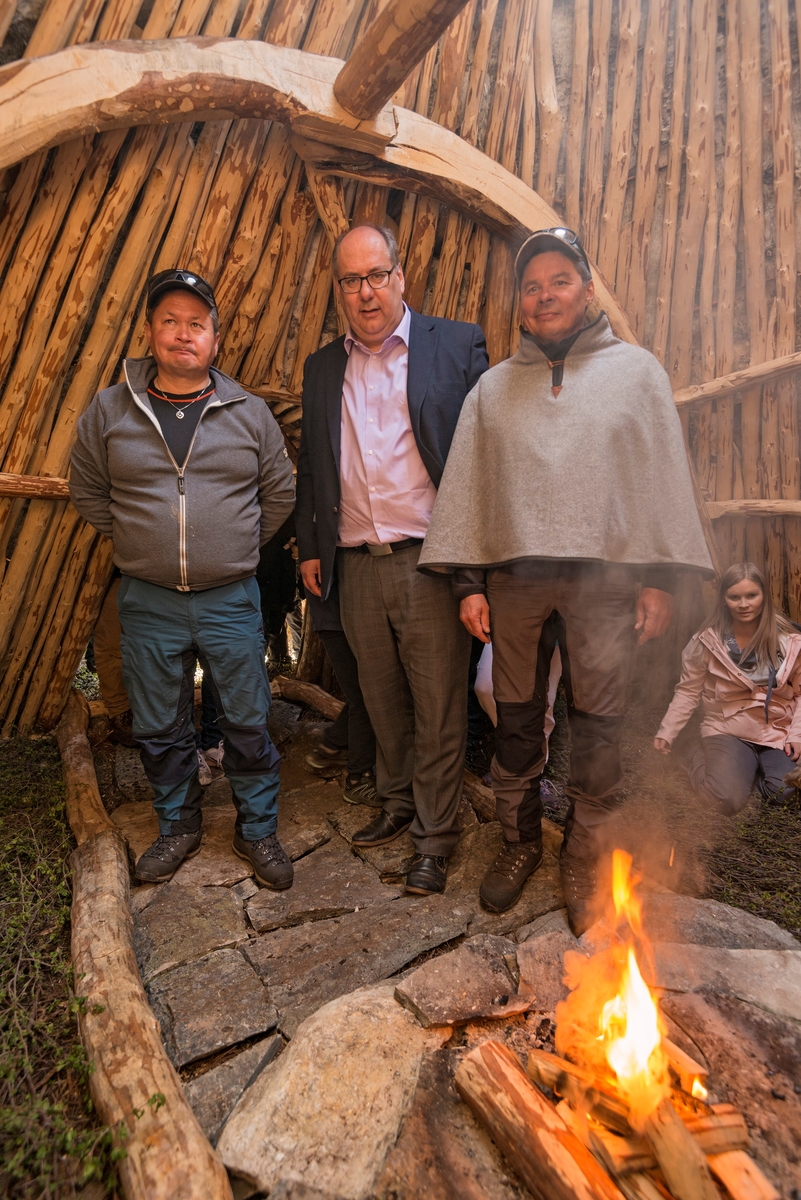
(744, 667)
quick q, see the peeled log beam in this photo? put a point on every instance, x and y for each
(753, 508)
(739, 381)
(50, 100)
(85, 811)
(112, 85)
(548, 1156)
(39, 487)
(134, 1086)
(395, 42)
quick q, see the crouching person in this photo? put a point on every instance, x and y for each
(188, 475)
(744, 667)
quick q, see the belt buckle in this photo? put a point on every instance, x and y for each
(380, 550)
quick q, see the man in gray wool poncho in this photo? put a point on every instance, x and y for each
(567, 488)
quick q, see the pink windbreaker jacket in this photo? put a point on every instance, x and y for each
(731, 702)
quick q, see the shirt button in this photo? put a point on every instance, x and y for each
(372, 489)
(369, 452)
(371, 420)
(336, 510)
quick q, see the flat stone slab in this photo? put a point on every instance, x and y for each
(672, 918)
(541, 964)
(210, 1004)
(547, 923)
(442, 1152)
(769, 979)
(129, 775)
(213, 1095)
(328, 1112)
(183, 923)
(216, 865)
(306, 966)
(469, 982)
(328, 883)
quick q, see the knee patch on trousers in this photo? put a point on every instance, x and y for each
(519, 734)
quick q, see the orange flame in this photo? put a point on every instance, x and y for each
(629, 1022)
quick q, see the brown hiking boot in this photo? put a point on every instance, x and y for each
(580, 886)
(122, 729)
(503, 883)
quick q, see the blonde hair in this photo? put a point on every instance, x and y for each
(771, 624)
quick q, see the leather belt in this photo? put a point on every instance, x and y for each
(385, 547)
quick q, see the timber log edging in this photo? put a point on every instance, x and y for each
(134, 1086)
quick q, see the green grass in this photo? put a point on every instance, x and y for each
(51, 1142)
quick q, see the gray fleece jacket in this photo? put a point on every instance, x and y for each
(190, 528)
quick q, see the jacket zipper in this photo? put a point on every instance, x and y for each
(182, 559)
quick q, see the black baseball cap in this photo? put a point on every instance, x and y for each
(560, 238)
(176, 279)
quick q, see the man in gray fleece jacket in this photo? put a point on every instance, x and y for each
(566, 489)
(188, 475)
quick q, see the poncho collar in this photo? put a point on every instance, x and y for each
(589, 339)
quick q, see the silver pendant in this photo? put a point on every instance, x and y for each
(179, 412)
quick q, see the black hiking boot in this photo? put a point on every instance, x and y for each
(161, 860)
(269, 860)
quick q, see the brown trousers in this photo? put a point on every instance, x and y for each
(413, 654)
(108, 655)
(597, 604)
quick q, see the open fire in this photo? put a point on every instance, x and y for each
(630, 1106)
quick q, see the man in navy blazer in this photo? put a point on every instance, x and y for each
(380, 407)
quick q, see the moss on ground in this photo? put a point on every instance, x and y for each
(51, 1142)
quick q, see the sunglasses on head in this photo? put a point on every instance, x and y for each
(567, 236)
(173, 275)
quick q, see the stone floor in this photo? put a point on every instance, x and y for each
(233, 969)
(317, 1030)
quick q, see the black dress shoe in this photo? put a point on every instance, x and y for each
(385, 828)
(427, 875)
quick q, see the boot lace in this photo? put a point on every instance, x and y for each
(270, 849)
(166, 845)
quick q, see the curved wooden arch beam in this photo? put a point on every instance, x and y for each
(49, 100)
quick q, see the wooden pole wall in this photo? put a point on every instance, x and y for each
(653, 126)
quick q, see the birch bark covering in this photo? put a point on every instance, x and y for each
(611, 106)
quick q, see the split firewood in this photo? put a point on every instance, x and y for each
(548, 1156)
(681, 1160)
(687, 1069)
(741, 1177)
(717, 1134)
(582, 1088)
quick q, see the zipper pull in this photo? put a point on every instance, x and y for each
(181, 483)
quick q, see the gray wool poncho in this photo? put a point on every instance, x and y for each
(598, 472)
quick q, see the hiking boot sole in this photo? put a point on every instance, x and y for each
(268, 883)
(166, 878)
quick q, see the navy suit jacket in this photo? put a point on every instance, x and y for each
(446, 359)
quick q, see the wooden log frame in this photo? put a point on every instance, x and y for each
(134, 1086)
(115, 85)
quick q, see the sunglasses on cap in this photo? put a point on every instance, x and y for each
(562, 234)
(164, 281)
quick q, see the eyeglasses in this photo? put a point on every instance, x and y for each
(351, 284)
(190, 280)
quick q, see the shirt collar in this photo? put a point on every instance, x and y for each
(399, 334)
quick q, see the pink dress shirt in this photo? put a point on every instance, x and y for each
(386, 492)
